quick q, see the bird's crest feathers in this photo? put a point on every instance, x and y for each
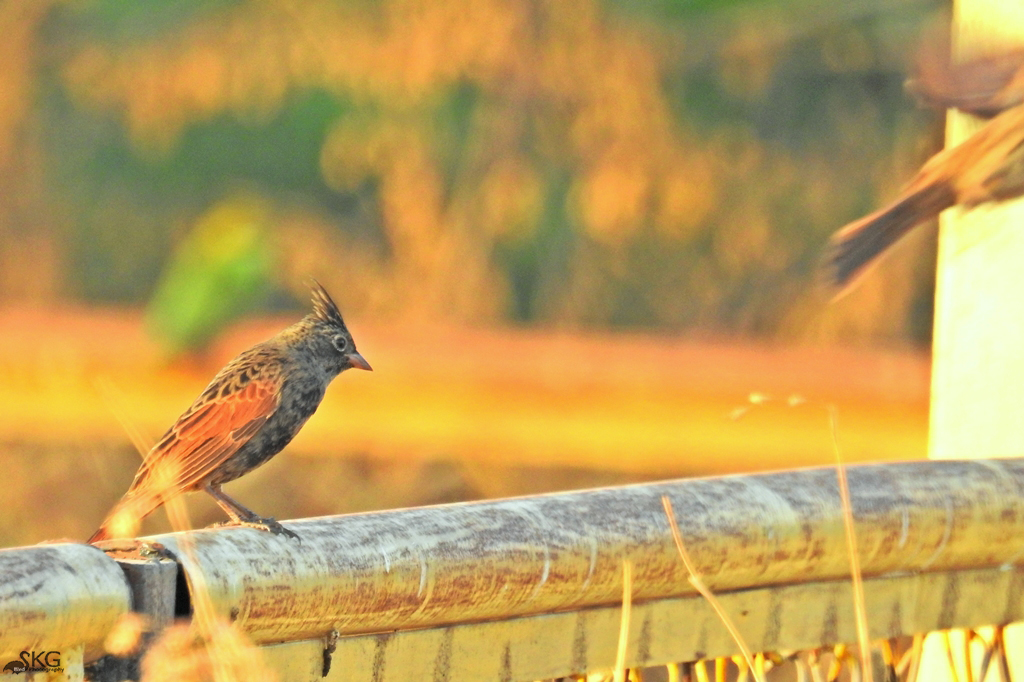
(324, 306)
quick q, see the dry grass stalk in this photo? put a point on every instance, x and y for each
(991, 651)
(1004, 660)
(627, 607)
(839, 653)
(803, 671)
(699, 585)
(813, 664)
(948, 646)
(911, 660)
(210, 648)
(225, 653)
(859, 607)
(126, 636)
(115, 401)
(744, 670)
(859, 604)
(123, 525)
(721, 669)
(968, 667)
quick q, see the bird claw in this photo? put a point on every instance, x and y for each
(277, 529)
(269, 525)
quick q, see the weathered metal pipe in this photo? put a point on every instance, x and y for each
(58, 597)
(477, 561)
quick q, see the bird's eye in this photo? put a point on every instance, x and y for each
(340, 343)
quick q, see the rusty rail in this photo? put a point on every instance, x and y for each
(528, 587)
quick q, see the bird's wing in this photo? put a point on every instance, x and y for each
(995, 170)
(984, 85)
(857, 245)
(225, 417)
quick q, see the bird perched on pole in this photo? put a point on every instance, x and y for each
(249, 412)
(988, 166)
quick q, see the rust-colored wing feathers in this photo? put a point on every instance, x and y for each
(246, 415)
(210, 432)
(227, 415)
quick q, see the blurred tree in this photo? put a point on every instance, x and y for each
(662, 164)
(30, 258)
(219, 271)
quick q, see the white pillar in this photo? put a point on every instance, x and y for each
(977, 400)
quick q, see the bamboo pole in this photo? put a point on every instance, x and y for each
(532, 586)
(663, 631)
(57, 598)
(434, 566)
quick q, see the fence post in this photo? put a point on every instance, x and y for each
(153, 582)
(978, 352)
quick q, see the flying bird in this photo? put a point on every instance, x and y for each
(253, 408)
(984, 85)
(988, 166)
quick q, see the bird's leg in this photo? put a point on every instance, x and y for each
(242, 516)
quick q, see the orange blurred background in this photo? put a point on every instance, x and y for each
(574, 240)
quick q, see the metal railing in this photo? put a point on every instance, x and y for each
(531, 588)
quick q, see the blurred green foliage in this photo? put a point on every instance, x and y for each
(219, 271)
(660, 164)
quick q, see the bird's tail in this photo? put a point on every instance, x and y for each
(857, 245)
(124, 519)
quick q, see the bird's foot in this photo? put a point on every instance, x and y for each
(270, 525)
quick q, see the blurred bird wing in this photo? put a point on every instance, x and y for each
(992, 163)
(987, 166)
(984, 85)
(209, 433)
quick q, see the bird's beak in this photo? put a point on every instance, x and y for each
(358, 361)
